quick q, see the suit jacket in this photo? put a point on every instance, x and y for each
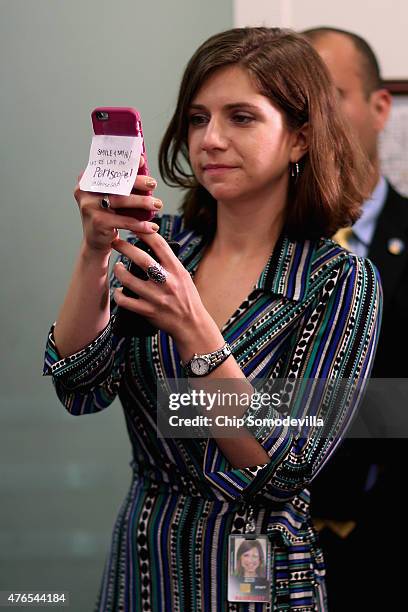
(338, 492)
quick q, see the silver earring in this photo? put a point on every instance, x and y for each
(295, 171)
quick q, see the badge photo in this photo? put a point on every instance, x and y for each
(249, 568)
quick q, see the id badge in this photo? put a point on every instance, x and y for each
(249, 568)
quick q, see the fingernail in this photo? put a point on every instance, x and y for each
(150, 182)
(154, 226)
(157, 204)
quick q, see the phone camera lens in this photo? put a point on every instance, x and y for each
(102, 116)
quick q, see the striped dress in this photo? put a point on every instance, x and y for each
(314, 313)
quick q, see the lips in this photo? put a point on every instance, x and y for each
(217, 167)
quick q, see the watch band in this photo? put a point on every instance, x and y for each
(213, 360)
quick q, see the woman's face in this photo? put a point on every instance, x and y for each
(238, 144)
(250, 560)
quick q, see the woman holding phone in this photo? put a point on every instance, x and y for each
(258, 291)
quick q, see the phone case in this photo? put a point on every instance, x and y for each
(124, 121)
(127, 322)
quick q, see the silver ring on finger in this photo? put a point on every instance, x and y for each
(157, 274)
(105, 202)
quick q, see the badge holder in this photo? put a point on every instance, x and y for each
(249, 565)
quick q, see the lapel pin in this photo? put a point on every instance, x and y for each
(395, 246)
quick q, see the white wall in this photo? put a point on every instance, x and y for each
(60, 59)
(62, 478)
(383, 23)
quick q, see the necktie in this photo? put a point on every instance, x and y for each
(342, 237)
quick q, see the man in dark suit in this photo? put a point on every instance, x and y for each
(357, 499)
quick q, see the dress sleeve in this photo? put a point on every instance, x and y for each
(333, 355)
(88, 380)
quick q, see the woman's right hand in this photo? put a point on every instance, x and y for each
(101, 225)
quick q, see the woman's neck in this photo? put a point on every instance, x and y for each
(247, 229)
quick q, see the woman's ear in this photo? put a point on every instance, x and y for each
(300, 144)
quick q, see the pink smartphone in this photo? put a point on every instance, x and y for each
(123, 121)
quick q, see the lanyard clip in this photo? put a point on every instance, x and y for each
(250, 524)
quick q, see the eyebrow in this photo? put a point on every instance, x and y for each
(228, 106)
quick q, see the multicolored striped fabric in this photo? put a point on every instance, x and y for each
(314, 313)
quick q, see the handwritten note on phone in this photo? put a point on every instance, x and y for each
(113, 164)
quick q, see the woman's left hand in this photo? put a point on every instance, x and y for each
(174, 306)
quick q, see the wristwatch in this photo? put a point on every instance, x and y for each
(201, 365)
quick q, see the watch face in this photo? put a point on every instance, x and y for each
(199, 366)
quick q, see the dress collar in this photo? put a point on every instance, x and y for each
(286, 272)
(288, 268)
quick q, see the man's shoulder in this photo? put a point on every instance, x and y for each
(394, 193)
(395, 201)
(391, 233)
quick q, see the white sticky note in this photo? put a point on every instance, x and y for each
(113, 164)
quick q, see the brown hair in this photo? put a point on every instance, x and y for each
(286, 69)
